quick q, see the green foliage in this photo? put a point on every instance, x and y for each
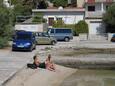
(1, 3)
(38, 18)
(58, 23)
(44, 20)
(58, 3)
(109, 18)
(43, 5)
(81, 27)
(5, 26)
(3, 42)
(22, 10)
(4, 18)
(14, 2)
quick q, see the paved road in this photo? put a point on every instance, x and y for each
(11, 62)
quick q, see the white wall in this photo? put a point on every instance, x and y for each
(30, 27)
(95, 26)
(98, 6)
(67, 17)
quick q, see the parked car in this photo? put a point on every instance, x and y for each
(113, 38)
(61, 33)
(44, 38)
(24, 41)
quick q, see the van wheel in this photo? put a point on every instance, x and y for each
(53, 42)
(66, 39)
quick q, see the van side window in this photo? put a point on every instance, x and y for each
(59, 31)
(63, 31)
(52, 30)
(67, 31)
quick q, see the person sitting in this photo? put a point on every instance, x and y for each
(48, 64)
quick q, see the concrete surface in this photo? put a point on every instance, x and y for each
(40, 77)
(11, 62)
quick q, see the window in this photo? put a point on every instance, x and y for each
(63, 30)
(107, 7)
(52, 30)
(91, 8)
(67, 31)
(23, 36)
(59, 31)
(58, 19)
(50, 21)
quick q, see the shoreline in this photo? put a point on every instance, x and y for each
(40, 77)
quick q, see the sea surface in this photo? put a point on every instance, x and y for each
(88, 77)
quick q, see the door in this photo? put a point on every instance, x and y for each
(44, 39)
(96, 27)
(50, 21)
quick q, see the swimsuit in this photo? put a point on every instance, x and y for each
(34, 66)
(42, 65)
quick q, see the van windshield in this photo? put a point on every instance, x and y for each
(23, 37)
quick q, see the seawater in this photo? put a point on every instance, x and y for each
(88, 77)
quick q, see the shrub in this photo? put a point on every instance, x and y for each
(43, 5)
(58, 3)
(38, 18)
(81, 27)
(58, 23)
(3, 42)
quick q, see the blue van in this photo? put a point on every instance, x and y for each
(24, 41)
(61, 33)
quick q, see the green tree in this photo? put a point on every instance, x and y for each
(5, 26)
(43, 5)
(14, 2)
(1, 3)
(109, 19)
(81, 27)
(22, 10)
(58, 3)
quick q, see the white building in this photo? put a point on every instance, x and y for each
(6, 3)
(93, 14)
(69, 16)
(89, 10)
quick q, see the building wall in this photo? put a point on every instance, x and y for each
(31, 27)
(95, 26)
(98, 6)
(80, 3)
(67, 17)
